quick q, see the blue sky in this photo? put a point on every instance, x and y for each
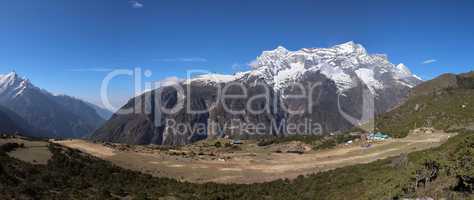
(66, 46)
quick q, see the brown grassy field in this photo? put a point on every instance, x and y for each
(249, 163)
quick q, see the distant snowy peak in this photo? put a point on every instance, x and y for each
(349, 48)
(213, 78)
(343, 63)
(12, 85)
(8, 79)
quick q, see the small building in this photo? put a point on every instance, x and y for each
(379, 136)
(238, 142)
(349, 142)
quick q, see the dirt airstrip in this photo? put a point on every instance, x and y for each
(249, 163)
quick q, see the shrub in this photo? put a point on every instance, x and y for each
(218, 144)
(9, 147)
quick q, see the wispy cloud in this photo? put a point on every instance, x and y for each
(241, 66)
(136, 4)
(236, 66)
(429, 61)
(253, 64)
(90, 70)
(185, 59)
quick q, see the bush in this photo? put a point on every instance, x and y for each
(265, 142)
(9, 147)
(218, 144)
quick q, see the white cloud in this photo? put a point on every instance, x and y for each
(136, 4)
(185, 59)
(239, 67)
(429, 61)
(236, 66)
(253, 64)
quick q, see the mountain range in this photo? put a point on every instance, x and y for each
(48, 115)
(348, 79)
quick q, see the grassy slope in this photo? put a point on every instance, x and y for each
(446, 102)
(443, 111)
(383, 179)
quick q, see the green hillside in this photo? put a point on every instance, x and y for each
(445, 103)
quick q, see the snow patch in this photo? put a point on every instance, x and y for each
(402, 71)
(367, 76)
(288, 75)
(214, 78)
(405, 84)
(343, 81)
(417, 77)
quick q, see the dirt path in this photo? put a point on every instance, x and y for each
(243, 167)
(97, 150)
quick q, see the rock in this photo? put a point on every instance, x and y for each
(417, 107)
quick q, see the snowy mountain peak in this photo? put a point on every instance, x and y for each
(350, 48)
(342, 63)
(11, 85)
(278, 53)
(279, 49)
(12, 76)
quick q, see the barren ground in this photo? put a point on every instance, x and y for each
(251, 163)
(35, 152)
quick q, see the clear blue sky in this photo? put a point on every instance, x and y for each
(61, 45)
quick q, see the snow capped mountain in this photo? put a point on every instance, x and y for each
(12, 85)
(344, 64)
(49, 115)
